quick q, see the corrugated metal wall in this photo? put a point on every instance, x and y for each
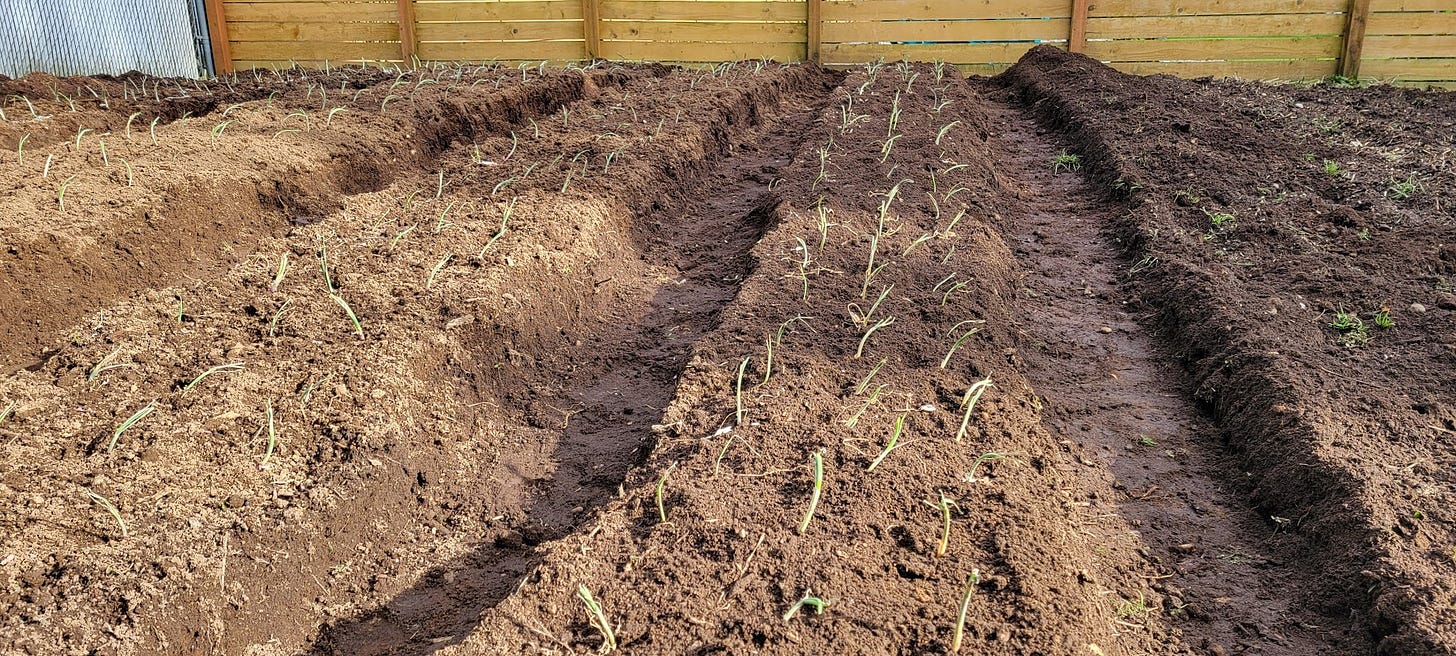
(88, 37)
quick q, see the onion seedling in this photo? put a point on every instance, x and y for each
(874, 396)
(505, 217)
(152, 129)
(989, 455)
(273, 323)
(272, 436)
(130, 181)
(45, 172)
(81, 133)
(130, 421)
(598, 618)
(232, 366)
(945, 505)
(20, 149)
(217, 130)
(353, 318)
(110, 508)
(738, 394)
(330, 118)
(878, 325)
(974, 329)
(944, 129)
(804, 267)
(865, 383)
(386, 102)
(105, 365)
(892, 444)
(323, 255)
(661, 485)
(9, 409)
(969, 403)
(282, 271)
(61, 193)
(960, 628)
(435, 271)
(817, 461)
(808, 600)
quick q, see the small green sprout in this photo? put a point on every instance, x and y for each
(989, 455)
(968, 402)
(233, 366)
(9, 410)
(505, 217)
(859, 351)
(353, 318)
(662, 485)
(960, 628)
(816, 460)
(974, 329)
(436, 270)
(282, 271)
(864, 383)
(1331, 167)
(20, 149)
(598, 618)
(1146, 440)
(1383, 319)
(808, 600)
(110, 508)
(875, 395)
(1065, 161)
(738, 392)
(1404, 189)
(153, 130)
(105, 365)
(273, 323)
(272, 436)
(130, 421)
(946, 505)
(61, 193)
(890, 446)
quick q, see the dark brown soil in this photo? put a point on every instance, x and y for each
(607, 315)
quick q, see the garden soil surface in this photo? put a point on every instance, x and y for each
(758, 359)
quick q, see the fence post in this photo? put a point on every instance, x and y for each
(407, 31)
(591, 26)
(1077, 40)
(815, 28)
(217, 38)
(1356, 17)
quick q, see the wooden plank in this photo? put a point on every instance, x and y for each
(864, 10)
(1417, 23)
(1042, 29)
(449, 12)
(1207, 7)
(1215, 26)
(1412, 5)
(814, 29)
(314, 12)
(1410, 69)
(407, 38)
(678, 31)
(705, 52)
(1077, 34)
(311, 50)
(500, 31)
(1382, 47)
(313, 31)
(705, 10)
(591, 26)
(1302, 69)
(503, 50)
(1358, 15)
(954, 53)
(217, 36)
(1215, 49)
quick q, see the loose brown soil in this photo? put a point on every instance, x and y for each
(606, 317)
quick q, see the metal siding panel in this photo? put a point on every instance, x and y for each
(91, 37)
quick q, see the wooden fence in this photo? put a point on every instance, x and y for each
(1409, 41)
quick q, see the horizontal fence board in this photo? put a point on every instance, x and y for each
(1159, 49)
(1410, 5)
(705, 10)
(313, 31)
(301, 50)
(678, 31)
(1409, 69)
(1211, 7)
(1421, 23)
(864, 10)
(311, 12)
(1304, 69)
(499, 31)
(1215, 26)
(705, 52)
(955, 53)
(1379, 47)
(949, 30)
(504, 50)
(449, 12)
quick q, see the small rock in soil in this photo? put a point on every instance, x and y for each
(1417, 308)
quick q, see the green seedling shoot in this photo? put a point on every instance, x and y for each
(960, 628)
(234, 366)
(816, 460)
(809, 599)
(892, 444)
(130, 421)
(968, 402)
(598, 618)
(110, 508)
(990, 455)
